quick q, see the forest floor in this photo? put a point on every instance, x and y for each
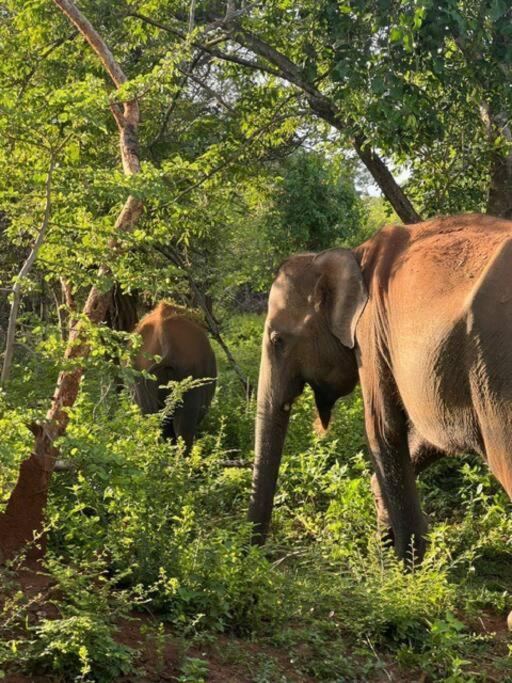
(163, 655)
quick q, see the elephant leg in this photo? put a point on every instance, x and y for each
(422, 456)
(387, 435)
(145, 391)
(186, 418)
(497, 437)
(167, 429)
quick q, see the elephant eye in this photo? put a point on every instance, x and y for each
(276, 339)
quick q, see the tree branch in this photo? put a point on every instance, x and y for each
(44, 55)
(227, 161)
(499, 198)
(207, 89)
(207, 47)
(174, 256)
(23, 516)
(323, 107)
(94, 39)
(172, 105)
(17, 290)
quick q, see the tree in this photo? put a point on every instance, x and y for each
(423, 83)
(304, 200)
(229, 91)
(24, 511)
(315, 205)
(55, 89)
(277, 19)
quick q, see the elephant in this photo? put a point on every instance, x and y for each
(421, 317)
(184, 351)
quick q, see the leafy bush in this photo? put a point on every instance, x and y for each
(80, 647)
(151, 528)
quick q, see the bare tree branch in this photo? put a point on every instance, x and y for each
(95, 41)
(17, 290)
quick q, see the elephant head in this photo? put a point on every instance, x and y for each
(309, 338)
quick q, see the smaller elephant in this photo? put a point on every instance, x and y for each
(184, 351)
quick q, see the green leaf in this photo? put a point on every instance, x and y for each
(395, 35)
(498, 9)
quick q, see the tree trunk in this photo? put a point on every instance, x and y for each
(23, 517)
(384, 179)
(499, 202)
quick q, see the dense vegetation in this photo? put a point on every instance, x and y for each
(262, 128)
(139, 530)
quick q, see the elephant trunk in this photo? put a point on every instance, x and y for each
(271, 426)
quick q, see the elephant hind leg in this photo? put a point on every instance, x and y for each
(422, 456)
(499, 457)
(167, 429)
(501, 467)
(497, 436)
(186, 418)
(496, 441)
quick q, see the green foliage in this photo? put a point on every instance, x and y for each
(304, 202)
(74, 635)
(315, 206)
(193, 670)
(78, 645)
(414, 78)
(177, 391)
(172, 539)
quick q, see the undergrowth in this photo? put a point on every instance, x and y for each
(136, 527)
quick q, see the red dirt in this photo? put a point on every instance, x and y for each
(490, 622)
(162, 655)
(160, 652)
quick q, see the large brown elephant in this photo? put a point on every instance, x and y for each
(421, 316)
(184, 351)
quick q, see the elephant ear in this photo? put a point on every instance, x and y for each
(340, 292)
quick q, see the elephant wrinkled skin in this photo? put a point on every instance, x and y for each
(421, 316)
(184, 351)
